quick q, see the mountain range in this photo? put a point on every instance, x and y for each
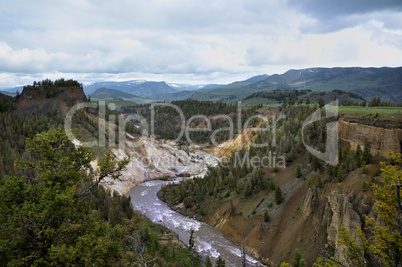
(367, 82)
(142, 88)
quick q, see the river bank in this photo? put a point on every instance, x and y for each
(209, 241)
(181, 209)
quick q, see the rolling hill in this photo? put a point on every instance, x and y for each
(119, 98)
(366, 82)
(106, 93)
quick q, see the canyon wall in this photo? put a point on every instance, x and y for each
(151, 159)
(381, 139)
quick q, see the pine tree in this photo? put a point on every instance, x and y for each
(278, 195)
(208, 262)
(358, 156)
(298, 260)
(367, 156)
(309, 181)
(321, 102)
(318, 182)
(50, 207)
(191, 240)
(232, 209)
(340, 174)
(298, 171)
(220, 262)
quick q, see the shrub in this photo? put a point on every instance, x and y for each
(365, 185)
(364, 168)
(266, 216)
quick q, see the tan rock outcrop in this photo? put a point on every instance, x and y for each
(339, 211)
(381, 139)
(309, 202)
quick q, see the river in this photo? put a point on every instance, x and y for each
(208, 240)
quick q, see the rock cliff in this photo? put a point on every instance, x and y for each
(381, 139)
(151, 159)
(34, 99)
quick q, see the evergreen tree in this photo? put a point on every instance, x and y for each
(367, 156)
(358, 156)
(220, 262)
(208, 262)
(278, 195)
(266, 216)
(298, 260)
(340, 174)
(44, 207)
(318, 182)
(298, 171)
(191, 240)
(232, 209)
(321, 102)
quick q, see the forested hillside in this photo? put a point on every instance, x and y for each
(278, 210)
(168, 123)
(53, 210)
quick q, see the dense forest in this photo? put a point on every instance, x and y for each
(168, 124)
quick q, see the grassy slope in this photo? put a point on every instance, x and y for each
(385, 111)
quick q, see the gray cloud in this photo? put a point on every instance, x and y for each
(333, 9)
(195, 40)
(331, 16)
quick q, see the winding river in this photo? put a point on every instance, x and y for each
(209, 241)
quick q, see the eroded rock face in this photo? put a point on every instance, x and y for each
(151, 159)
(381, 139)
(34, 99)
(339, 211)
(310, 201)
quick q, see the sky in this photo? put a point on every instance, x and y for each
(197, 42)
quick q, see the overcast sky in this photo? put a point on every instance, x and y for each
(189, 41)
